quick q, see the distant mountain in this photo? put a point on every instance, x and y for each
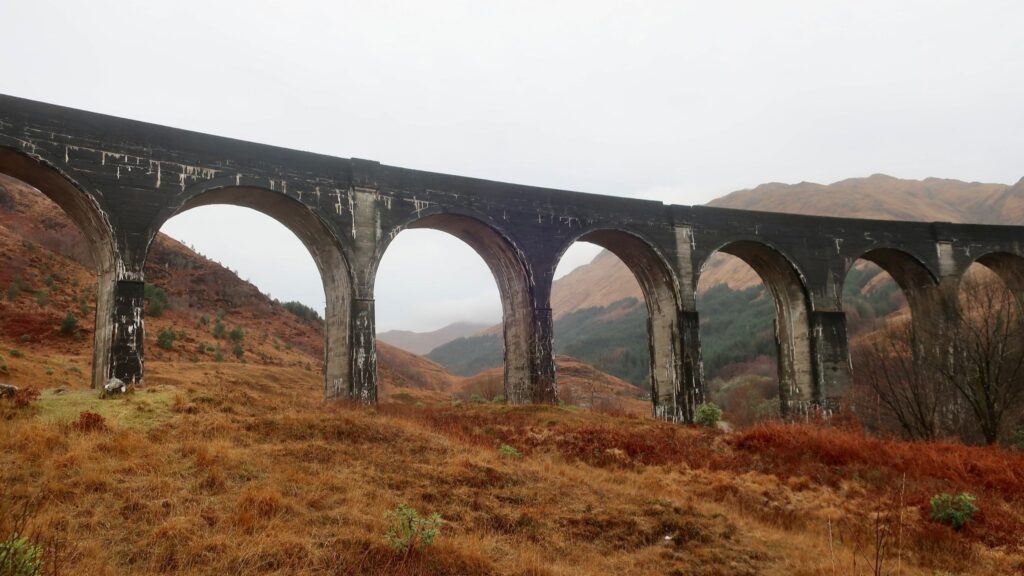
(423, 342)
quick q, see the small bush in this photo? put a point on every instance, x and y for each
(407, 531)
(204, 320)
(18, 557)
(15, 353)
(25, 337)
(165, 339)
(236, 334)
(24, 397)
(69, 324)
(156, 298)
(218, 355)
(708, 415)
(509, 451)
(238, 351)
(89, 422)
(955, 511)
(477, 399)
(302, 311)
(14, 289)
(499, 399)
(42, 298)
(218, 329)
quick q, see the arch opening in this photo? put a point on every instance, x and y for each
(481, 335)
(619, 314)
(88, 242)
(227, 318)
(984, 395)
(741, 285)
(885, 297)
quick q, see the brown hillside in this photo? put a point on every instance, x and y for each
(579, 384)
(248, 471)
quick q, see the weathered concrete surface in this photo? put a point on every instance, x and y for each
(120, 180)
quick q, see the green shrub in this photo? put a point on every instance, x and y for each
(955, 511)
(25, 338)
(18, 557)
(499, 399)
(238, 351)
(407, 531)
(218, 329)
(204, 320)
(69, 324)
(302, 311)
(218, 355)
(236, 334)
(477, 399)
(14, 289)
(509, 451)
(15, 353)
(708, 415)
(42, 298)
(165, 339)
(156, 299)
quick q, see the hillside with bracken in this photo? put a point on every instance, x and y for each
(228, 460)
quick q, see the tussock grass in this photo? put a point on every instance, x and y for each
(254, 473)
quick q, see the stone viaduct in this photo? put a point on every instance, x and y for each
(120, 180)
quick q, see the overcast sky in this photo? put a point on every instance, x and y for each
(675, 101)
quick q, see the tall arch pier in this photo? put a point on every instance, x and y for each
(120, 180)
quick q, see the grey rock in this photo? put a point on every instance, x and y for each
(115, 386)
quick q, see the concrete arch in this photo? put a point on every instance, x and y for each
(917, 282)
(671, 399)
(323, 246)
(1010, 269)
(909, 271)
(83, 209)
(527, 376)
(798, 382)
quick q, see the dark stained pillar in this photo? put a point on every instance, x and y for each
(364, 352)
(128, 329)
(689, 368)
(542, 388)
(831, 359)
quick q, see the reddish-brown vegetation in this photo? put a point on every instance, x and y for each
(90, 422)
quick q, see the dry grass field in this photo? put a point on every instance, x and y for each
(244, 469)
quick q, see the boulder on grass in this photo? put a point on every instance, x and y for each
(115, 386)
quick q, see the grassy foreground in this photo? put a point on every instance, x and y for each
(251, 472)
